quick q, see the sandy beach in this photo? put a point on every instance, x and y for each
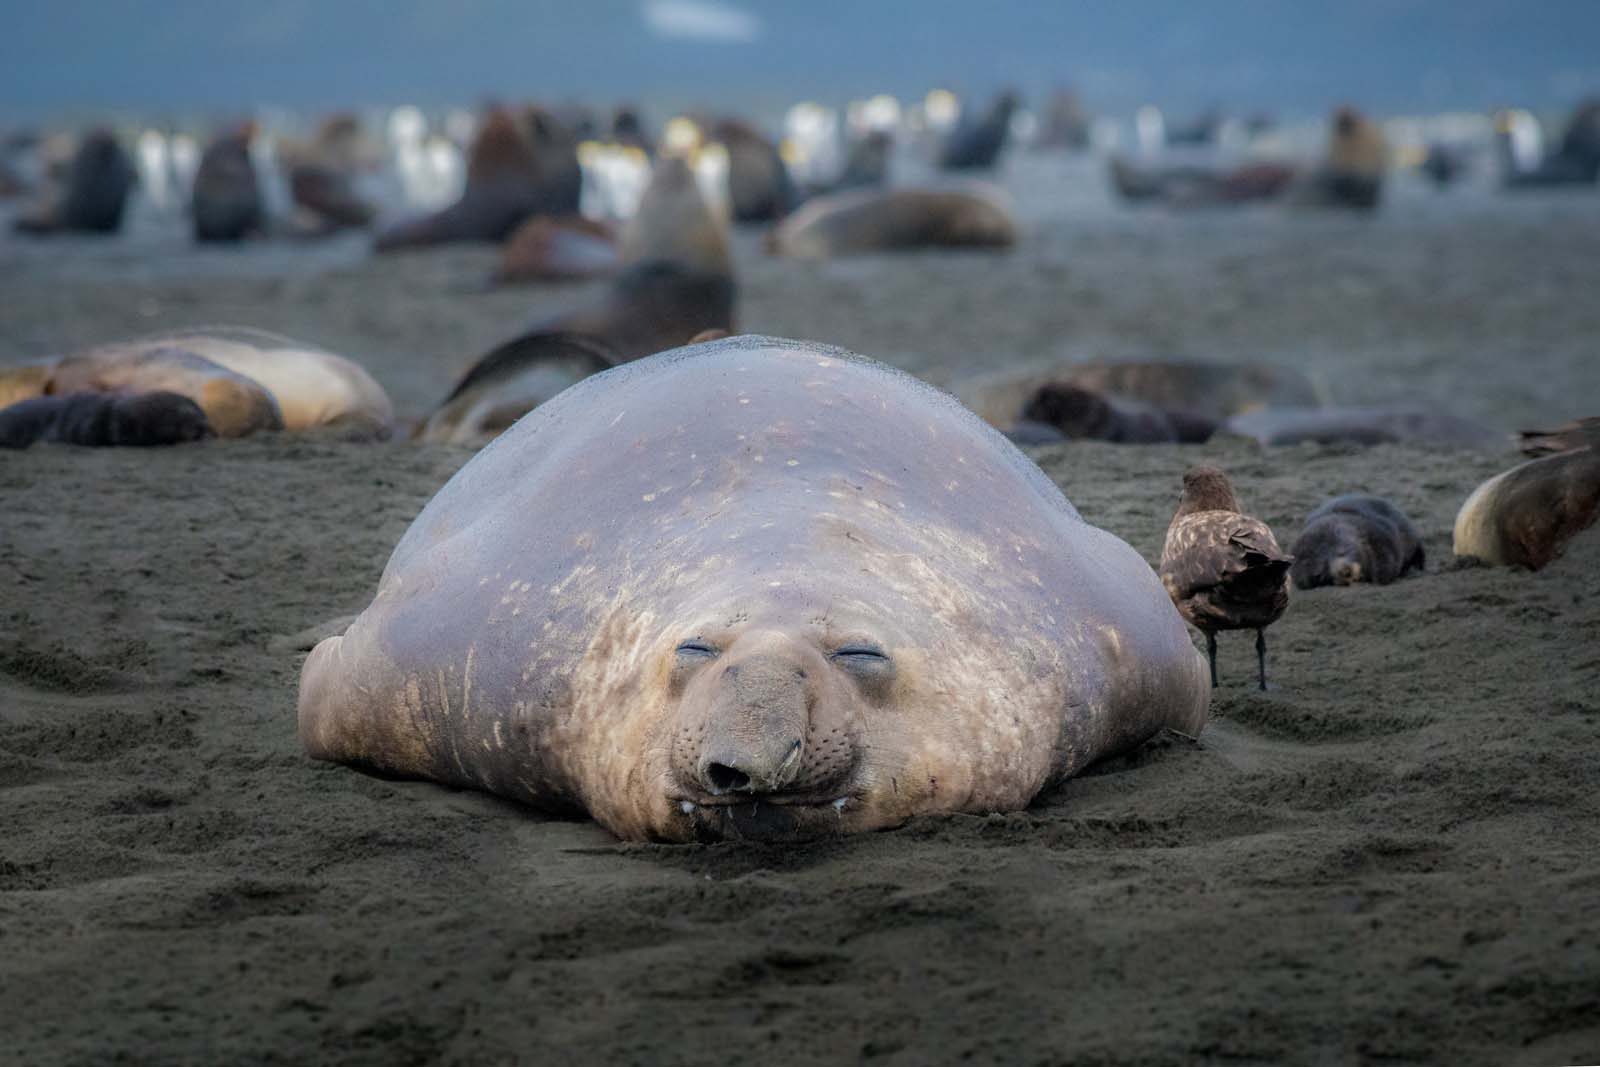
(1392, 855)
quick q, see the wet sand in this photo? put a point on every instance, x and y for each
(1394, 854)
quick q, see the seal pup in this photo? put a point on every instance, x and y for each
(104, 420)
(93, 195)
(977, 146)
(678, 283)
(1525, 516)
(890, 220)
(753, 588)
(1368, 426)
(1355, 538)
(226, 201)
(1222, 568)
(1579, 433)
(509, 178)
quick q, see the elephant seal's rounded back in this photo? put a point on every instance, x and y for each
(1355, 538)
(1526, 515)
(887, 220)
(753, 587)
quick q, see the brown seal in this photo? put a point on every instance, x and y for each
(1223, 569)
(753, 588)
(235, 405)
(510, 176)
(888, 220)
(1525, 516)
(1355, 538)
(104, 420)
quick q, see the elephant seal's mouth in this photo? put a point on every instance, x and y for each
(764, 818)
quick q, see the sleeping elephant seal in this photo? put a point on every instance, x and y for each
(1355, 538)
(307, 388)
(889, 220)
(1525, 516)
(104, 420)
(753, 588)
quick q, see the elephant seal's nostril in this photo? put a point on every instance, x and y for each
(725, 779)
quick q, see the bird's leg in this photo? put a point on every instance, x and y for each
(1211, 651)
(1261, 657)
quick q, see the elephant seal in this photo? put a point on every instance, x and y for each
(752, 588)
(1367, 426)
(314, 390)
(1355, 538)
(509, 178)
(977, 146)
(1525, 516)
(245, 380)
(1196, 394)
(890, 220)
(94, 193)
(104, 420)
(226, 201)
(678, 285)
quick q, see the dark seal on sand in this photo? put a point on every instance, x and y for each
(1355, 538)
(753, 588)
(888, 220)
(226, 201)
(104, 420)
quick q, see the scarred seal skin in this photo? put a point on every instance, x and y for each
(753, 587)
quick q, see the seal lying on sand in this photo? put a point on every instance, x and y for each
(679, 284)
(509, 178)
(1193, 393)
(1367, 426)
(1079, 414)
(886, 220)
(244, 380)
(104, 420)
(1355, 538)
(1525, 516)
(95, 192)
(1223, 569)
(752, 588)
